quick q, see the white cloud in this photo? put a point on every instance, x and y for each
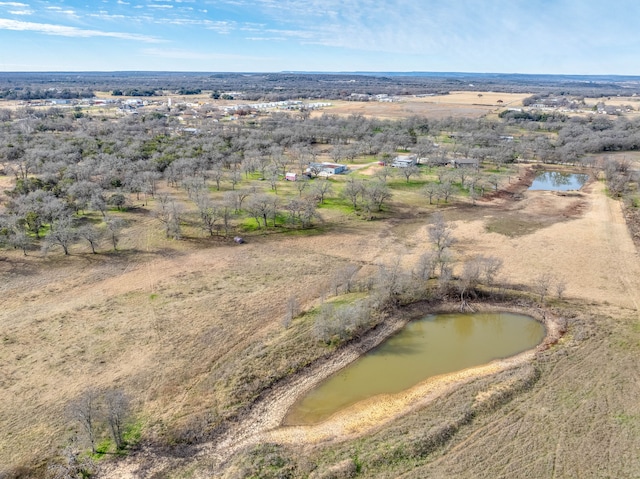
(103, 15)
(14, 4)
(21, 12)
(65, 31)
(219, 26)
(266, 39)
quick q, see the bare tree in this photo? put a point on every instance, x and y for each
(235, 177)
(292, 310)
(475, 270)
(353, 190)
(320, 189)
(209, 215)
(561, 286)
(542, 284)
(441, 237)
(376, 193)
(322, 326)
(445, 190)
(426, 266)
(84, 409)
(344, 278)
(98, 203)
(494, 180)
(61, 233)
(301, 210)
(216, 174)
(91, 234)
(409, 171)
(262, 206)
(73, 465)
(491, 268)
(117, 412)
(274, 178)
(114, 229)
(470, 277)
(301, 183)
(389, 283)
(13, 233)
(384, 173)
(170, 215)
(194, 187)
(430, 190)
(236, 198)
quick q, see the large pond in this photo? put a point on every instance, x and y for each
(558, 181)
(435, 345)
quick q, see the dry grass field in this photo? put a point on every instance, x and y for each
(191, 328)
(588, 382)
(456, 104)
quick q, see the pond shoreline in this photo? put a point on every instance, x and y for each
(263, 422)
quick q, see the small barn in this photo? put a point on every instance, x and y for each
(326, 168)
(404, 161)
(465, 163)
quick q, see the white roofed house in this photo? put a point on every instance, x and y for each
(404, 161)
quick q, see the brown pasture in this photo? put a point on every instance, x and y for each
(456, 104)
(182, 325)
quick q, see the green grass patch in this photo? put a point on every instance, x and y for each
(133, 433)
(249, 225)
(102, 448)
(346, 299)
(401, 183)
(338, 204)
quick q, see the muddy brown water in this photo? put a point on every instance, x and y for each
(434, 345)
(558, 181)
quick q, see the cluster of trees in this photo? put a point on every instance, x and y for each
(27, 94)
(620, 176)
(102, 414)
(432, 276)
(102, 420)
(136, 92)
(66, 166)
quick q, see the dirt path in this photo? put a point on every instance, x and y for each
(620, 245)
(593, 251)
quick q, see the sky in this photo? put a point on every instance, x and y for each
(586, 37)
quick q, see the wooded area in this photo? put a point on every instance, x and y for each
(130, 186)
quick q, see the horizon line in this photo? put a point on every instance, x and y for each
(319, 72)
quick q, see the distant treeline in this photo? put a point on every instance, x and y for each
(285, 86)
(151, 92)
(39, 94)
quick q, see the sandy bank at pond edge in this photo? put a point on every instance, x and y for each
(263, 422)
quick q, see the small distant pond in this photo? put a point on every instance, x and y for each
(434, 345)
(558, 181)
